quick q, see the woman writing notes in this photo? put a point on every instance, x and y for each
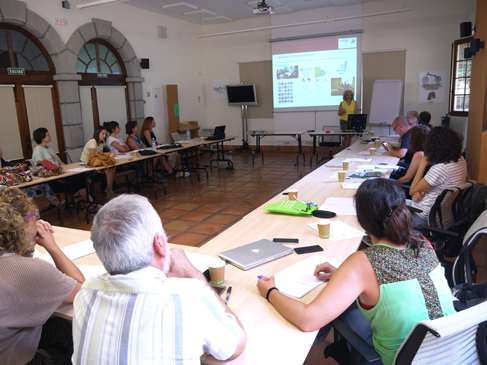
(346, 107)
(32, 288)
(395, 283)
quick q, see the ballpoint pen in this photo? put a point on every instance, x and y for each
(229, 291)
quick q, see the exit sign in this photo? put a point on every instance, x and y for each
(16, 71)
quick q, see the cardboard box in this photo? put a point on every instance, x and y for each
(193, 128)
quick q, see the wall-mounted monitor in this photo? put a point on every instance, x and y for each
(243, 94)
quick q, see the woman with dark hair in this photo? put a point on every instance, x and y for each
(346, 107)
(116, 144)
(32, 288)
(416, 141)
(94, 146)
(133, 141)
(443, 147)
(147, 136)
(43, 152)
(394, 284)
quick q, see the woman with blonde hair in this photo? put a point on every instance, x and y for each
(32, 288)
(346, 107)
(146, 135)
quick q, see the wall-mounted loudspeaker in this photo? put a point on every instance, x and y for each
(161, 32)
(144, 63)
(465, 29)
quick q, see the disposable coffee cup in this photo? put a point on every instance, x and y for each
(341, 176)
(372, 133)
(377, 143)
(324, 228)
(346, 165)
(293, 194)
(217, 271)
(372, 151)
(136, 154)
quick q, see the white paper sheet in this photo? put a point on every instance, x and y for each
(298, 279)
(89, 271)
(201, 262)
(340, 231)
(121, 157)
(334, 163)
(341, 206)
(377, 152)
(80, 169)
(73, 252)
(352, 185)
(378, 167)
(358, 159)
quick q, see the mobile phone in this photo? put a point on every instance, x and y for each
(384, 144)
(308, 249)
(218, 289)
(286, 240)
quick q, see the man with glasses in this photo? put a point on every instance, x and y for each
(401, 126)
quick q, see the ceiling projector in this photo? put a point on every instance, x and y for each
(263, 9)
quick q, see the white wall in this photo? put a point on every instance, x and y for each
(178, 59)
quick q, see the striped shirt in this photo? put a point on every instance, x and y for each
(442, 176)
(146, 318)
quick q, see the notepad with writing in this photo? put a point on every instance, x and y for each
(298, 280)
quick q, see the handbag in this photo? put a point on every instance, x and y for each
(10, 176)
(46, 168)
(101, 159)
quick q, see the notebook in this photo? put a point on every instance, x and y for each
(255, 254)
(218, 133)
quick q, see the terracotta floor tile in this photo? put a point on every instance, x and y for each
(179, 225)
(225, 201)
(189, 239)
(247, 190)
(195, 216)
(236, 210)
(177, 198)
(165, 220)
(210, 208)
(201, 199)
(187, 206)
(248, 203)
(258, 197)
(207, 228)
(164, 204)
(171, 213)
(222, 218)
(170, 234)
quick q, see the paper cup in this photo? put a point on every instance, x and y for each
(372, 133)
(372, 151)
(341, 176)
(323, 228)
(293, 194)
(217, 271)
(136, 154)
(346, 165)
(377, 143)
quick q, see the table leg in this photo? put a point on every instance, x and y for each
(257, 151)
(314, 151)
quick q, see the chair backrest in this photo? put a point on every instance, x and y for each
(454, 339)
(462, 265)
(441, 213)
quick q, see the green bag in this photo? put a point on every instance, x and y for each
(292, 207)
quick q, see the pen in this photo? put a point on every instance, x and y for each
(229, 291)
(263, 277)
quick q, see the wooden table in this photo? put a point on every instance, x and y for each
(356, 148)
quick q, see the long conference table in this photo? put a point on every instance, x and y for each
(271, 339)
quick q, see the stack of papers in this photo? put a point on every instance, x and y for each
(73, 252)
(298, 280)
(341, 206)
(340, 231)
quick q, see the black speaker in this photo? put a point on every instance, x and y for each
(465, 29)
(144, 63)
(466, 53)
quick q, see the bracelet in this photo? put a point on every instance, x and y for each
(269, 291)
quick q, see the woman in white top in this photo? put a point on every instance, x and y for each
(443, 146)
(115, 143)
(94, 146)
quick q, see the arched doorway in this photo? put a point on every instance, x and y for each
(103, 86)
(28, 93)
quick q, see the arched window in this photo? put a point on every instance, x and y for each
(28, 100)
(103, 87)
(19, 50)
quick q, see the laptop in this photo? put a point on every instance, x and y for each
(255, 254)
(176, 137)
(218, 133)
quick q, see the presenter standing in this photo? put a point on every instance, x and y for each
(346, 107)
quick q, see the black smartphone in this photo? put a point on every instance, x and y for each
(308, 249)
(286, 240)
(218, 289)
(384, 144)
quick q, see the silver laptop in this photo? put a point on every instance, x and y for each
(176, 137)
(255, 254)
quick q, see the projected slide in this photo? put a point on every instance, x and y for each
(313, 73)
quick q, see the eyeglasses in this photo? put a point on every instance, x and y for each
(35, 214)
(394, 129)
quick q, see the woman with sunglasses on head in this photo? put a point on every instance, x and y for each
(383, 291)
(94, 146)
(32, 288)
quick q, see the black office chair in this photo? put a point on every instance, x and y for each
(330, 143)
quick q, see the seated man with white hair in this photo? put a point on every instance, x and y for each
(153, 306)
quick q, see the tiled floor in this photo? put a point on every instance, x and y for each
(193, 212)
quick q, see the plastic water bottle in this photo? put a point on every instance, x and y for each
(188, 134)
(153, 144)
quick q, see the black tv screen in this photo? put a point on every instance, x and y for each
(241, 94)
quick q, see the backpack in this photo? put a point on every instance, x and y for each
(474, 202)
